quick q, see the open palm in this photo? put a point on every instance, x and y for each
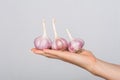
(84, 59)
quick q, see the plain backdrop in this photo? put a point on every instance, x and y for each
(95, 21)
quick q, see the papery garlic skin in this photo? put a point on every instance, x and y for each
(75, 45)
(42, 43)
(60, 44)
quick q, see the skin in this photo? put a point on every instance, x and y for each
(86, 60)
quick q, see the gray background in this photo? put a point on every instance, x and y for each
(95, 21)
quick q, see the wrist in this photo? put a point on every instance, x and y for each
(92, 66)
(94, 69)
(105, 70)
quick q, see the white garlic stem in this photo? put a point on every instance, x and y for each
(44, 28)
(69, 34)
(54, 28)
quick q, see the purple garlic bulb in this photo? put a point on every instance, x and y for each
(75, 45)
(60, 44)
(43, 42)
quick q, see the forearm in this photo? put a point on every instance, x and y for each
(106, 70)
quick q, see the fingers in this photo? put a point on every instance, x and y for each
(37, 51)
(40, 52)
(60, 54)
(54, 53)
(63, 55)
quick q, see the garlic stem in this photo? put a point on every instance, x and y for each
(44, 28)
(54, 28)
(69, 34)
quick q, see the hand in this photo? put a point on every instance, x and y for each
(84, 59)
